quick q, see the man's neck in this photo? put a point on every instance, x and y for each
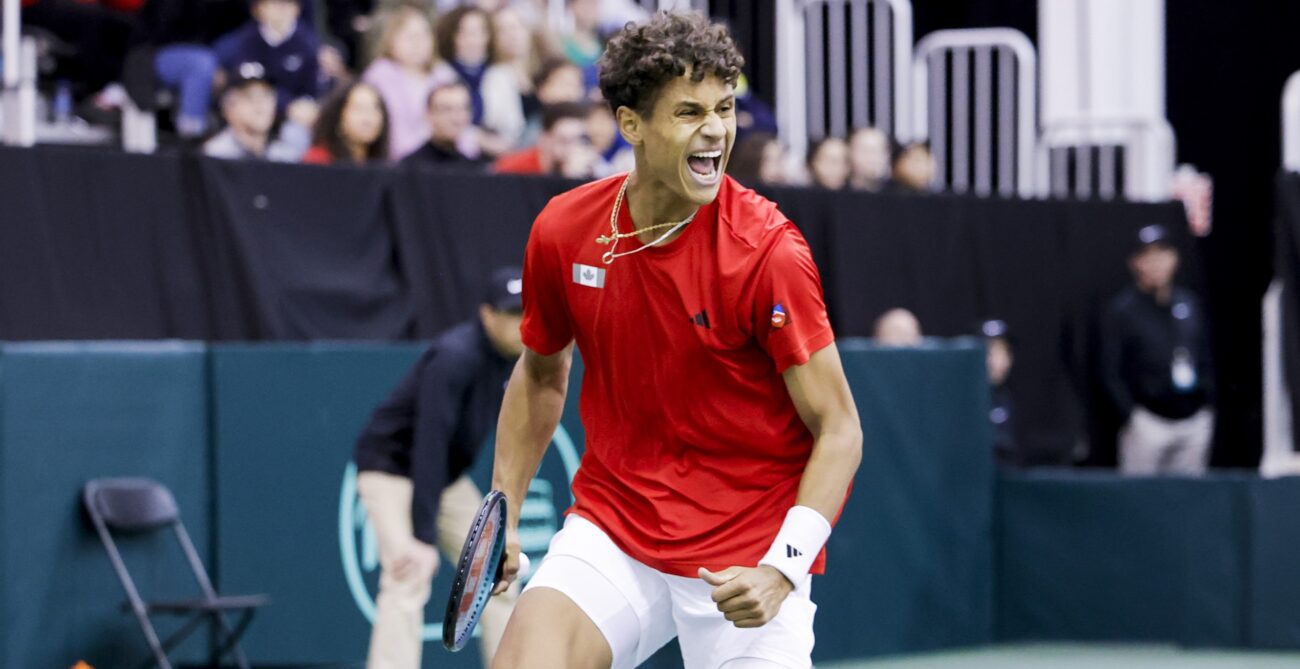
(1161, 294)
(863, 183)
(357, 151)
(253, 143)
(274, 37)
(652, 203)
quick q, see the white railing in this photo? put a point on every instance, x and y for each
(1291, 123)
(19, 104)
(1142, 147)
(842, 64)
(967, 162)
(1280, 457)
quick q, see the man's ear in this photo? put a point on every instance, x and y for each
(629, 125)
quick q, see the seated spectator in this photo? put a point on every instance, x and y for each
(1156, 366)
(466, 46)
(897, 327)
(558, 81)
(448, 118)
(521, 51)
(352, 128)
(248, 106)
(752, 114)
(828, 163)
(286, 50)
(403, 75)
(171, 51)
(583, 45)
(998, 361)
(563, 149)
(868, 159)
(614, 152)
(913, 169)
(758, 160)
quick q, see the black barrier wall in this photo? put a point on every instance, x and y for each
(97, 245)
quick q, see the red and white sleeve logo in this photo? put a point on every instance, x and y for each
(779, 318)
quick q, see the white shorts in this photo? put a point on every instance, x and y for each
(638, 609)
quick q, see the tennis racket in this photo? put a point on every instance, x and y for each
(481, 564)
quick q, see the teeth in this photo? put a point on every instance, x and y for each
(707, 154)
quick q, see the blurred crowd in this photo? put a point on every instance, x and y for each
(481, 84)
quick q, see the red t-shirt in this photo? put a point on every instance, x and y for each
(694, 450)
(318, 155)
(527, 161)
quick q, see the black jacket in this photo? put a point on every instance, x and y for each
(1140, 343)
(432, 425)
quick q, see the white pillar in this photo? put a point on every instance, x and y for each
(1101, 58)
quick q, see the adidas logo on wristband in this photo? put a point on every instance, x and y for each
(791, 551)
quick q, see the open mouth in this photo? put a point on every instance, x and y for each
(705, 165)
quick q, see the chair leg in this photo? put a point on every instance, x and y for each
(159, 655)
(232, 636)
(180, 634)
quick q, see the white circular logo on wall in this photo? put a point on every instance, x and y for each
(539, 521)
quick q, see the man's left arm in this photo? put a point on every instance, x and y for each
(821, 396)
(751, 597)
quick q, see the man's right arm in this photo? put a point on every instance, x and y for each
(530, 412)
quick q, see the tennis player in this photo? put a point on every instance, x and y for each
(721, 436)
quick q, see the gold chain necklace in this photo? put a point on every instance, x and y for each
(614, 235)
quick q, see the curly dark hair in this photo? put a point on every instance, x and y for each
(328, 130)
(642, 58)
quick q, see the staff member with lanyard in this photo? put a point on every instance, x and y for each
(1155, 354)
(412, 460)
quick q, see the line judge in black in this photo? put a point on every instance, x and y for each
(412, 458)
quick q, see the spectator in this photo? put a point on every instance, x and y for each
(913, 169)
(352, 128)
(998, 360)
(403, 75)
(248, 106)
(828, 163)
(614, 152)
(868, 159)
(563, 149)
(287, 52)
(558, 81)
(448, 118)
(466, 45)
(584, 45)
(520, 51)
(897, 328)
(171, 49)
(752, 114)
(1155, 355)
(759, 159)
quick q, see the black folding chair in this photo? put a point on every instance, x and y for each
(139, 506)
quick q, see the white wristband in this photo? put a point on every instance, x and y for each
(801, 538)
